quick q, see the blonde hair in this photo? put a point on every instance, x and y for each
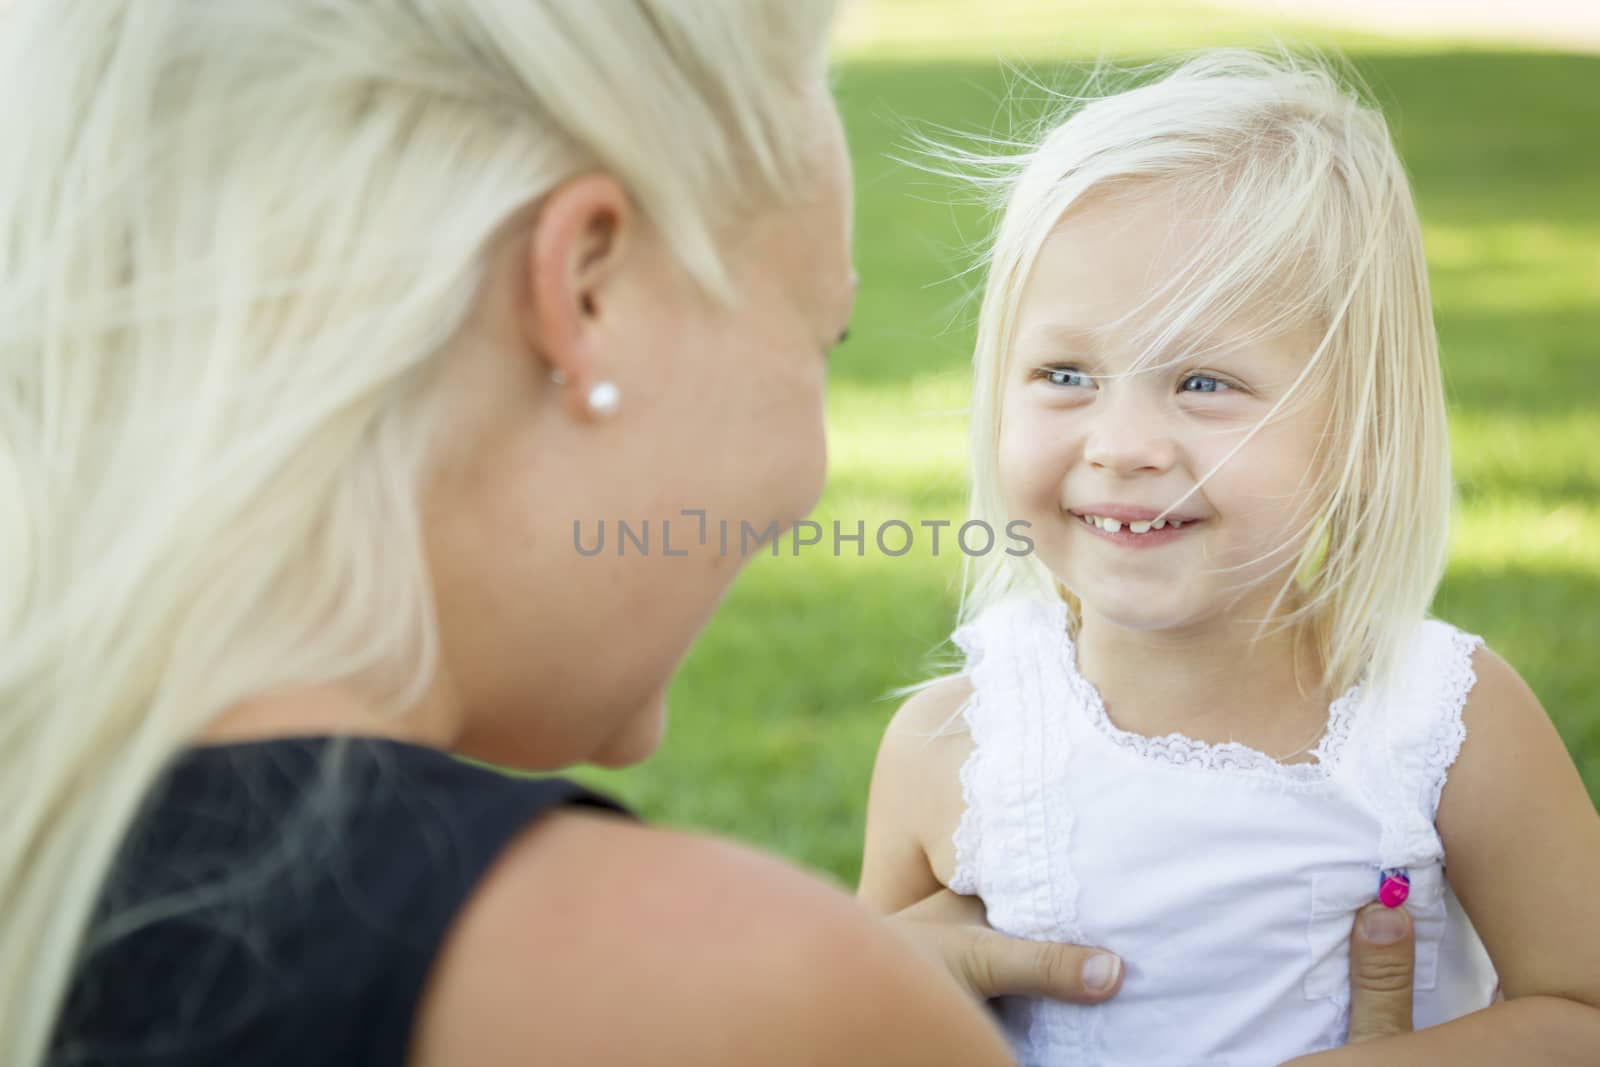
(237, 239)
(1308, 214)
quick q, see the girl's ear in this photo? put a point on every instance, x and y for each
(580, 240)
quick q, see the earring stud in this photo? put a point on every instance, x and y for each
(604, 399)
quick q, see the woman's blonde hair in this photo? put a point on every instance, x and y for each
(237, 239)
(1308, 217)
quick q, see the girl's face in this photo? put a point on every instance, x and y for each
(1089, 453)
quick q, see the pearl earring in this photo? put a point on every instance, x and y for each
(604, 399)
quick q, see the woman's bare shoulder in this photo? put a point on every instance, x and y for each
(601, 941)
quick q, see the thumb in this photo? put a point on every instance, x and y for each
(1009, 966)
(1382, 965)
(954, 931)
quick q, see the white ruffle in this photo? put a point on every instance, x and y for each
(1230, 757)
(1456, 679)
(1014, 832)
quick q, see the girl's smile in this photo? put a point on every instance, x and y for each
(1135, 533)
(1137, 527)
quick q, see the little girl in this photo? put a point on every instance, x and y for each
(1207, 719)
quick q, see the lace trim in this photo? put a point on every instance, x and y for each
(968, 839)
(1444, 740)
(1422, 735)
(1228, 757)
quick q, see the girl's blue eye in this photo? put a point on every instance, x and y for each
(1204, 383)
(1064, 376)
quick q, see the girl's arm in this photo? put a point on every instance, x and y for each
(1522, 840)
(912, 813)
(915, 802)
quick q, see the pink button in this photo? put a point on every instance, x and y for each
(1396, 887)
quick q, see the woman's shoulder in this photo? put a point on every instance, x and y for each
(599, 940)
(340, 860)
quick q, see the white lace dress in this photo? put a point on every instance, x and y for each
(1228, 882)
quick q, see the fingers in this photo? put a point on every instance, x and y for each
(944, 927)
(1382, 965)
(954, 929)
(1008, 966)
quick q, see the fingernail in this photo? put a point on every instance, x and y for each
(1100, 971)
(1383, 926)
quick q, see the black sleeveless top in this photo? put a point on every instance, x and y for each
(280, 903)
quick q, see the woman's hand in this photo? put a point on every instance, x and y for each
(1382, 961)
(953, 930)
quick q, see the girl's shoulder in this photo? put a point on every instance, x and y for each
(1468, 678)
(1523, 839)
(931, 716)
(1496, 706)
(916, 783)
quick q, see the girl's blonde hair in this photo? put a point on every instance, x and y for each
(237, 240)
(1308, 218)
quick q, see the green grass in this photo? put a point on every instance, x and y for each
(777, 713)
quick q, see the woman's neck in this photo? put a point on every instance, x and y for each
(327, 709)
(1216, 682)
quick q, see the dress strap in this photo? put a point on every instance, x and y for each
(1011, 843)
(1419, 731)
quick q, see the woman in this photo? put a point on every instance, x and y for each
(325, 320)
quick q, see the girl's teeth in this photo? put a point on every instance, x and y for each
(1116, 525)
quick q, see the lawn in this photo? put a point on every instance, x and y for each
(777, 713)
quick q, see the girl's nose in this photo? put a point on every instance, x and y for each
(1127, 436)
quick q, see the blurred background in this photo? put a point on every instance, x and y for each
(777, 715)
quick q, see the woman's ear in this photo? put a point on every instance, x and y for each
(580, 239)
